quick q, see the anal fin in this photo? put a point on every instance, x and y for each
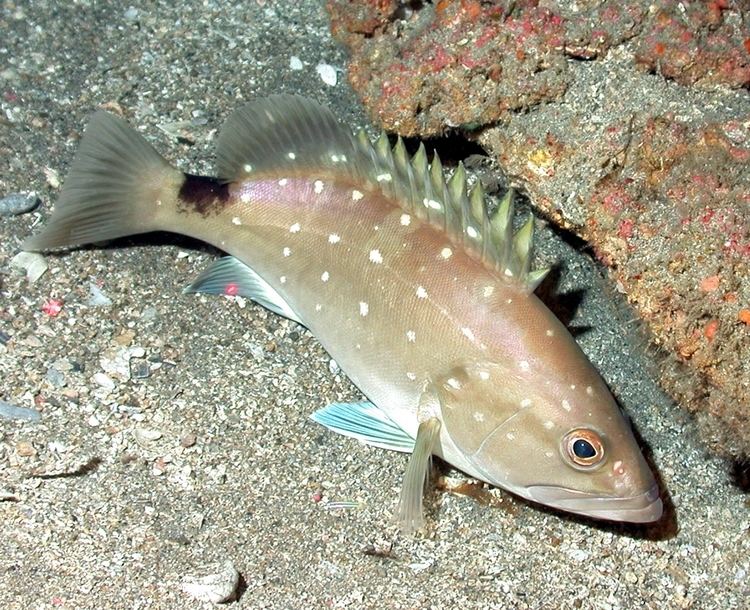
(230, 276)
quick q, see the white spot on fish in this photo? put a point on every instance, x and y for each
(376, 257)
(454, 383)
(589, 390)
(411, 376)
(411, 336)
(550, 332)
(467, 333)
(566, 405)
(287, 251)
(158, 201)
(282, 279)
(523, 365)
(488, 290)
(484, 375)
(617, 467)
(432, 204)
(548, 424)
(472, 232)
(283, 181)
(478, 416)
(247, 167)
(509, 301)
(291, 155)
(338, 158)
(236, 221)
(572, 386)
(245, 198)
(384, 177)
(364, 309)
(548, 454)
(405, 220)
(325, 276)
(318, 187)
(511, 436)
(333, 238)
(508, 272)
(446, 253)
(376, 228)
(318, 307)
(421, 292)
(526, 403)
(295, 228)
(357, 195)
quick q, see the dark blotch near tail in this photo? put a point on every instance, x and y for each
(203, 194)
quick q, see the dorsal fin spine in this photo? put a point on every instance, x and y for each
(501, 232)
(522, 245)
(438, 193)
(421, 188)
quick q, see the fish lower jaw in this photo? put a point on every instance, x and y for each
(642, 508)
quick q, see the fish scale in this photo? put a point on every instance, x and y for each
(423, 298)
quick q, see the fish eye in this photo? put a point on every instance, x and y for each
(583, 448)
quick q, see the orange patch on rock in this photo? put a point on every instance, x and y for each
(710, 283)
(709, 331)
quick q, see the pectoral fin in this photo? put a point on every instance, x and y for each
(410, 514)
(230, 276)
(365, 422)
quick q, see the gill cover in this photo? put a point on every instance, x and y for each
(470, 411)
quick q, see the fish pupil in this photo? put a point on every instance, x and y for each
(583, 449)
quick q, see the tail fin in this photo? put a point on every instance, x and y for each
(115, 188)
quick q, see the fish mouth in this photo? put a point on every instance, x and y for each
(641, 508)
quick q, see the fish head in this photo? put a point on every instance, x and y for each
(568, 447)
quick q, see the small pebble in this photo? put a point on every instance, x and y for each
(116, 360)
(55, 377)
(9, 411)
(18, 203)
(295, 63)
(52, 176)
(8, 496)
(139, 369)
(188, 440)
(216, 587)
(149, 313)
(25, 449)
(33, 263)
(105, 381)
(97, 298)
(327, 74)
(144, 436)
(131, 14)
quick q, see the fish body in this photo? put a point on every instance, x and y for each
(424, 299)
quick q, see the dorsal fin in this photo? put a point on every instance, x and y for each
(421, 189)
(283, 131)
(289, 132)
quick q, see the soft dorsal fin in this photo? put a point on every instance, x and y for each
(282, 131)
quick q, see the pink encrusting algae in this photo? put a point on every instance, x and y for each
(424, 299)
